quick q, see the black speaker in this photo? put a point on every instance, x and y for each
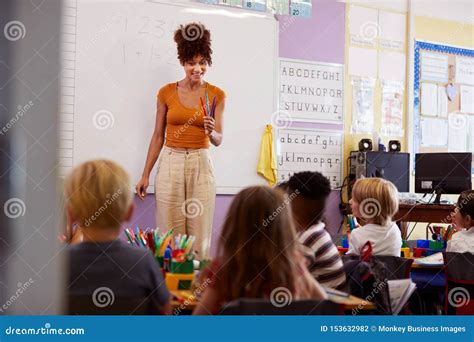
(365, 145)
(394, 146)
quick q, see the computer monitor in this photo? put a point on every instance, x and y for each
(393, 166)
(443, 173)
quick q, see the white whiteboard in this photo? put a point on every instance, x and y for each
(117, 54)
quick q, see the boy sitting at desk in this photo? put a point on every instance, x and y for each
(98, 200)
(463, 217)
(308, 192)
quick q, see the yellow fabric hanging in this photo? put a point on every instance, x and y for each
(266, 163)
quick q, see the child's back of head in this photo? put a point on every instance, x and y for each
(98, 193)
(375, 200)
(310, 191)
(258, 250)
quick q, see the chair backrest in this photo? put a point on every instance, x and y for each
(84, 305)
(250, 306)
(459, 272)
(397, 267)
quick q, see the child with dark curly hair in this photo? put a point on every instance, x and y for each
(308, 192)
(189, 118)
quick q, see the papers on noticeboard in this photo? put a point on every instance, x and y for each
(434, 67)
(458, 125)
(467, 99)
(429, 99)
(434, 132)
(465, 70)
(434, 100)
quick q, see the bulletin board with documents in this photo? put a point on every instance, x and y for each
(443, 98)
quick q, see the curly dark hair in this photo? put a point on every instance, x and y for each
(193, 39)
(312, 185)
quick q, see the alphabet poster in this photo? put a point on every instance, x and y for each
(311, 91)
(309, 150)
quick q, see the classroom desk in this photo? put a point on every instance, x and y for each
(431, 213)
(179, 303)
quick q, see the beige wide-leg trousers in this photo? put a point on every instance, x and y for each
(185, 193)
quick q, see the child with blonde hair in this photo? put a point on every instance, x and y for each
(98, 199)
(375, 201)
(258, 254)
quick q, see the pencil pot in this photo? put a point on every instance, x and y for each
(160, 261)
(182, 267)
(344, 242)
(423, 243)
(419, 252)
(437, 245)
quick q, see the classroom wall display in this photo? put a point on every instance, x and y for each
(443, 98)
(116, 56)
(301, 8)
(392, 108)
(362, 105)
(369, 27)
(311, 91)
(309, 150)
(297, 8)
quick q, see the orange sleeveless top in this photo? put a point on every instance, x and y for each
(185, 126)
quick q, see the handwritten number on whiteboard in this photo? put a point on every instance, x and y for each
(146, 21)
(154, 27)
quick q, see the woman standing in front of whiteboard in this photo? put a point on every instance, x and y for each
(185, 188)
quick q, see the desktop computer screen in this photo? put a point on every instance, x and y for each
(393, 166)
(448, 173)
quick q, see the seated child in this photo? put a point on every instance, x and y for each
(98, 200)
(463, 217)
(308, 192)
(258, 253)
(375, 201)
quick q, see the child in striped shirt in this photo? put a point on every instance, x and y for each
(308, 192)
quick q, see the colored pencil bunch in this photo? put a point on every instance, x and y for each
(149, 238)
(205, 107)
(181, 245)
(449, 233)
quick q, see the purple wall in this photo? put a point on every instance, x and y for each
(319, 38)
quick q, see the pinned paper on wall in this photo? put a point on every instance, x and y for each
(465, 70)
(255, 5)
(458, 126)
(429, 99)
(392, 66)
(362, 105)
(392, 30)
(309, 150)
(301, 8)
(434, 67)
(311, 91)
(442, 102)
(281, 7)
(362, 62)
(233, 3)
(434, 132)
(467, 99)
(364, 26)
(392, 109)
